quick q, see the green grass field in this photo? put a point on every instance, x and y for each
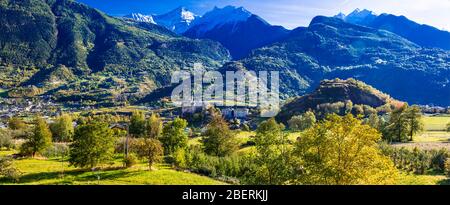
(434, 129)
(53, 171)
(411, 179)
(436, 123)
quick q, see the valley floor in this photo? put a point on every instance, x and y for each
(55, 172)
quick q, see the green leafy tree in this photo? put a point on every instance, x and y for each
(302, 122)
(151, 149)
(62, 129)
(16, 123)
(218, 139)
(6, 140)
(271, 160)
(414, 119)
(39, 140)
(342, 151)
(397, 128)
(154, 127)
(373, 121)
(93, 145)
(137, 124)
(174, 136)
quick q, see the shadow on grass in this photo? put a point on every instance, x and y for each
(444, 182)
(70, 176)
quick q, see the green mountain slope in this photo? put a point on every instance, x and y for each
(78, 53)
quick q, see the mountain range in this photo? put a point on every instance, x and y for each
(423, 35)
(239, 30)
(77, 54)
(234, 27)
(178, 20)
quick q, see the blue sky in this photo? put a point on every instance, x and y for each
(290, 13)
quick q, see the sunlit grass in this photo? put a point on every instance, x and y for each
(412, 179)
(53, 171)
(436, 123)
(433, 136)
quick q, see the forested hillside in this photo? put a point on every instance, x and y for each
(78, 53)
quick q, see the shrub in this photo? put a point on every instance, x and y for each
(197, 161)
(62, 129)
(302, 122)
(179, 159)
(7, 170)
(130, 160)
(438, 159)
(15, 123)
(56, 150)
(417, 161)
(119, 146)
(447, 167)
(6, 140)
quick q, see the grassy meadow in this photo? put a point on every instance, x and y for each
(434, 135)
(436, 123)
(54, 172)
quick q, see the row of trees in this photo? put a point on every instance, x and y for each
(61, 129)
(400, 125)
(336, 150)
(42, 134)
(93, 142)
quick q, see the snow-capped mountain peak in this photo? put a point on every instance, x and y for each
(358, 13)
(340, 16)
(180, 14)
(177, 20)
(221, 16)
(181, 19)
(357, 16)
